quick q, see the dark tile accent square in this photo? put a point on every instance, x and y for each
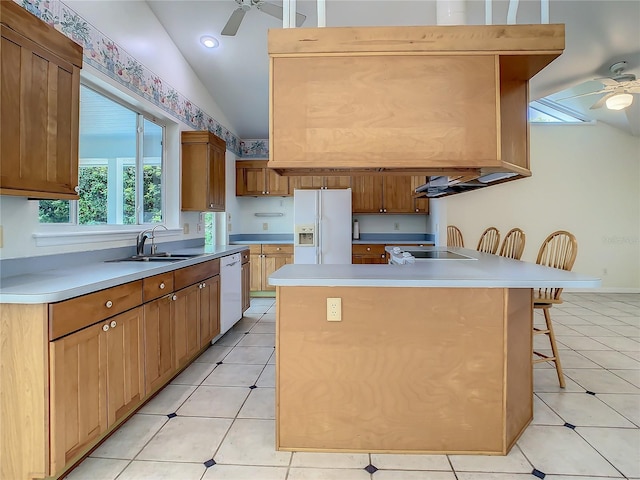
(219, 363)
(246, 333)
(568, 425)
(210, 463)
(589, 392)
(538, 473)
(172, 415)
(371, 468)
(253, 386)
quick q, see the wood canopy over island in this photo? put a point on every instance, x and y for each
(433, 357)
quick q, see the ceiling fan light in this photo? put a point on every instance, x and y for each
(209, 41)
(619, 101)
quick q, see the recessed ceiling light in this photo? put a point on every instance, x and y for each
(209, 41)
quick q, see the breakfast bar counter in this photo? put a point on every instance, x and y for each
(431, 357)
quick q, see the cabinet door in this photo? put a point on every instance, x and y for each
(246, 286)
(78, 393)
(125, 374)
(276, 184)
(337, 182)
(216, 178)
(421, 204)
(39, 120)
(250, 180)
(209, 309)
(273, 262)
(158, 343)
(256, 261)
(186, 324)
(367, 194)
(305, 182)
(397, 195)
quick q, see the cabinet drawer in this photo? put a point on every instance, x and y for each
(71, 315)
(271, 249)
(245, 255)
(360, 249)
(255, 249)
(157, 286)
(190, 275)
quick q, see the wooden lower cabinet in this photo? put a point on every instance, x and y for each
(96, 379)
(209, 306)
(159, 363)
(266, 259)
(186, 324)
(246, 283)
(368, 254)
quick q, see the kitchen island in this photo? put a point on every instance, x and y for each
(431, 357)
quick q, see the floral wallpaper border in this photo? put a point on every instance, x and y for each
(106, 56)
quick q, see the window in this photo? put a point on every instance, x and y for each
(546, 110)
(120, 168)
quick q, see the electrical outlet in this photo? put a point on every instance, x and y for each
(265, 226)
(199, 228)
(185, 229)
(396, 226)
(334, 309)
(229, 227)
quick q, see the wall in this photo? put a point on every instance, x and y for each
(586, 179)
(136, 31)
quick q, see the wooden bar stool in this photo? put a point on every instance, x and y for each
(559, 250)
(489, 241)
(454, 237)
(513, 244)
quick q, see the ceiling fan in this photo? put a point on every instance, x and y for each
(231, 28)
(619, 89)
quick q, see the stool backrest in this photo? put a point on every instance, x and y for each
(559, 250)
(489, 241)
(513, 244)
(454, 237)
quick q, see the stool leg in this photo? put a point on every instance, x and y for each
(554, 347)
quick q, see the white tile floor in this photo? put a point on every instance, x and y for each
(216, 420)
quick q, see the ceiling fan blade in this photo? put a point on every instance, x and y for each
(277, 12)
(578, 96)
(633, 117)
(633, 90)
(601, 102)
(231, 28)
(271, 9)
(607, 81)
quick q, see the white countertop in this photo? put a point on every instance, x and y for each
(64, 283)
(488, 271)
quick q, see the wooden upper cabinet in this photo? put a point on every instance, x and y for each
(313, 182)
(203, 172)
(386, 194)
(420, 204)
(253, 178)
(39, 107)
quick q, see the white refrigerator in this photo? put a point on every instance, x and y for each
(322, 226)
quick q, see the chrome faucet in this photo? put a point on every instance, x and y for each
(140, 239)
(153, 236)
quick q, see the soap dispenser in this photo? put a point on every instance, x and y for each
(356, 230)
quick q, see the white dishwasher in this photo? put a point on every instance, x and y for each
(230, 291)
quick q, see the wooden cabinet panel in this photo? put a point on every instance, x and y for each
(368, 254)
(125, 373)
(196, 273)
(246, 286)
(308, 182)
(39, 107)
(367, 194)
(203, 172)
(157, 286)
(158, 343)
(209, 309)
(270, 258)
(421, 204)
(337, 182)
(253, 178)
(78, 414)
(71, 315)
(396, 194)
(186, 324)
(270, 265)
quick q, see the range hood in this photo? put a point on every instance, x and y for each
(439, 101)
(442, 186)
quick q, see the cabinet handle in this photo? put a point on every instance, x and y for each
(175, 297)
(380, 210)
(105, 327)
(267, 193)
(417, 209)
(204, 284)
(77, 188)
(368, 249)
(109, 304)
(264, 193)
(278, 248)
(385, 210)
(113, 324)
(211, 205)
(162, 286)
